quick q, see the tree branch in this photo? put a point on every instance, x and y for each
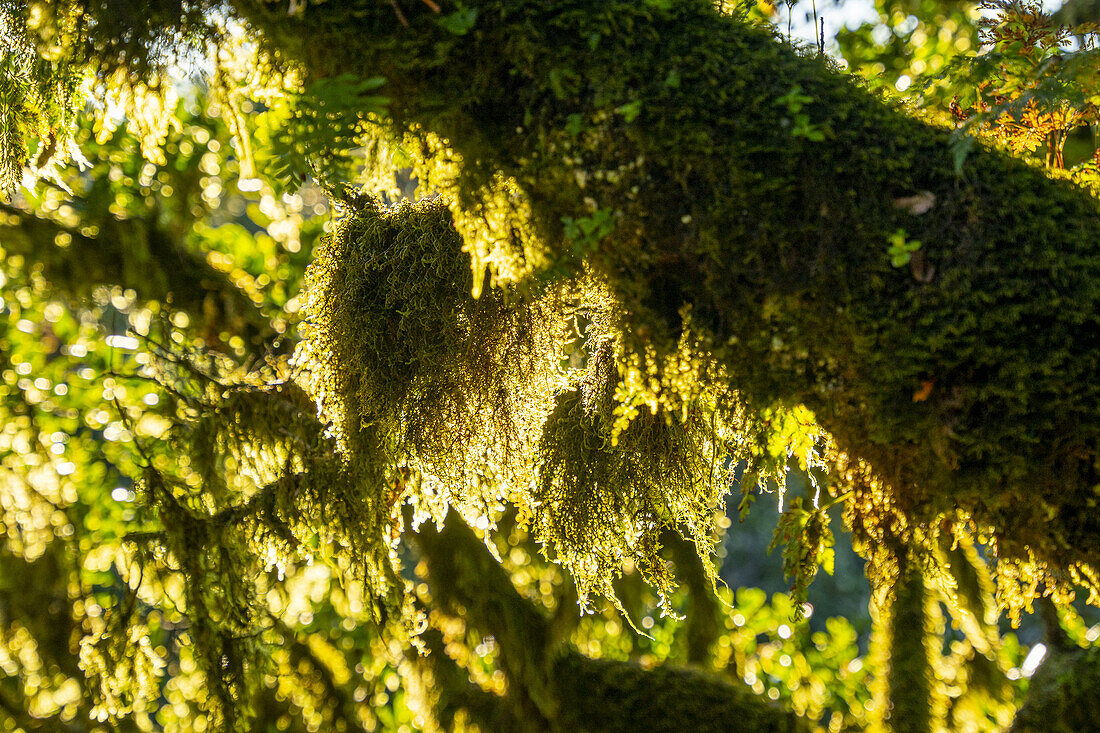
(761, 190)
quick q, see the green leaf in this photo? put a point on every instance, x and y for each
(960, 149)
(630, 110)
(794, 99)
(574, 124)
(459, 22)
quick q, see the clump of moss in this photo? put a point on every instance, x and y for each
(420, 378)
(604, 496)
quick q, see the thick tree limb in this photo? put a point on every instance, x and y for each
(455, 691)
(762, 190)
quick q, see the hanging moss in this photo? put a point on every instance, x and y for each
(414, 372)
(964, 379)
(602, 498)
(258, 486)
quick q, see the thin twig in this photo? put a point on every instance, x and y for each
(400, 15)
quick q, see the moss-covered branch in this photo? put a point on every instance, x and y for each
(965, 377)
(466, 579)
(908, 705)
(703, 623)
(619, 697)
(558, 688)
(454, 692)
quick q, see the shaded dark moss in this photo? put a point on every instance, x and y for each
(909, 670)
(608, 697)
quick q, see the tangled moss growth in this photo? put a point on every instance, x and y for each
(451, 399)
(415, 373)
(967, 384)
(601, 498)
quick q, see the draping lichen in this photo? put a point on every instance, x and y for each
(602, 498)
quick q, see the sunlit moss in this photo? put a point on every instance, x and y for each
(415, 373)
(604, 497)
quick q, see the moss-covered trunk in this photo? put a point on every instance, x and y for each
(762, 190)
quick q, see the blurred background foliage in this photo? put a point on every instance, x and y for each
(188, 225)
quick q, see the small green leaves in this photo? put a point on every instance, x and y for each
(400, 157)
(459, 22)
(586, 231)
(321, 126)
(807, 543)
(574, 124)
(794, 99)
(672, 80)
(901, 250)
(630, 110)
(801, 126)
(804, 128)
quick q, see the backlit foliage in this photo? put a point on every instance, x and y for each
(602, 498)
(1032, 89)
(422, 382)
(608, 321)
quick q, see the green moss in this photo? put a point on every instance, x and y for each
(602, 497)
(554, 687)
(910, 674)
(777, 241)
(607, 696)
(416, 373)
